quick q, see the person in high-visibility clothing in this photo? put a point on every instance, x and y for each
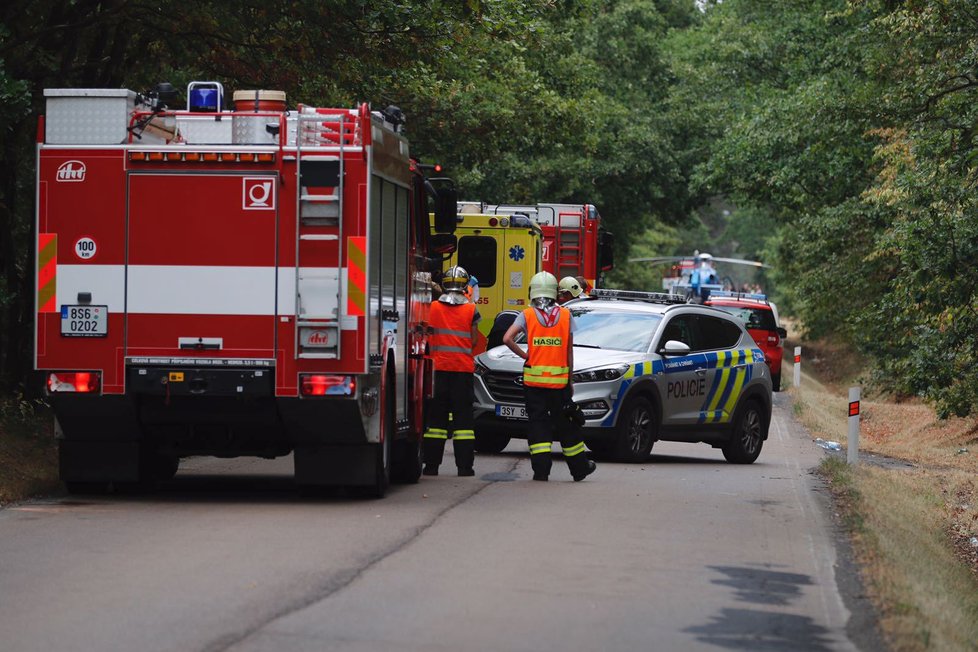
(453, 321)
(547, 383)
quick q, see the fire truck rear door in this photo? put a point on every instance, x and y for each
(201, 265)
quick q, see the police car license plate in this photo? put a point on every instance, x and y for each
(84, 321)
(511, 411)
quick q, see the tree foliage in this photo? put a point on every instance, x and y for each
(523, 100)
(835, 139)
(852, 124)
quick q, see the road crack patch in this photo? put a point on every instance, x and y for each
(338, 581)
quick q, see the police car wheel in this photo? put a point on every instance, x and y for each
(746, 439)
(636, 427)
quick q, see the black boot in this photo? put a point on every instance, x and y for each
(587, 469)
(464, 456)
(541, 463)
(430, 469)
(434, 451)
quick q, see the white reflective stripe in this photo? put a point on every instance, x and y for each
(186, 289)
(445, 331)
(182, 290)
(106, 283)
(450, 349)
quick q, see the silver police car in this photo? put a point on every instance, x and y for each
(647, 367)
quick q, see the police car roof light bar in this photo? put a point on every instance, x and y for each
(634, 295)
(739, 295)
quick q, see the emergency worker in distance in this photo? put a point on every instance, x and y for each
(568, 288)
(585, 286)
(703, 274)
(454, 328)
(547, 379)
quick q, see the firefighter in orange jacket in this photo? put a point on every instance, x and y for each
(547, 380)
(454, 329)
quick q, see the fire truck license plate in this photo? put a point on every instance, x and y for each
(84, 321)
(511, 411)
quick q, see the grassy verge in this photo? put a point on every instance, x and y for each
(911, 525)
(28, 453)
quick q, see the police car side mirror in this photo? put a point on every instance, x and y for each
(675, 347)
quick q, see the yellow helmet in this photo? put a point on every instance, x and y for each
(570, 284)
(543, 284)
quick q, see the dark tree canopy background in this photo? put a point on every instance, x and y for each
(834, 139)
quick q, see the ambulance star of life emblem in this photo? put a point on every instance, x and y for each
(517, 252)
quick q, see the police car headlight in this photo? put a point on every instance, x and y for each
(480, 369)
(599, 375)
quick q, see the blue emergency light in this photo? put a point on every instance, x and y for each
(205, 97)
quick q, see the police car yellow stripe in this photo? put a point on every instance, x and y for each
(733, 372)
(723, 378)
(738, 386)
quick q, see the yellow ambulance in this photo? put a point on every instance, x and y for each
(503, 252)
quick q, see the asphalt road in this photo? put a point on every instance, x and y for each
(684, 552)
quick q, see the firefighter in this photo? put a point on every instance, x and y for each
(568, 288)
(585, 286)
(454, 330)
(547, 385)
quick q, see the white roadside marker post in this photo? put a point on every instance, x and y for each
(852, 455)
(797, 366)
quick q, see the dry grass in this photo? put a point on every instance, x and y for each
(911, 526)
(28, 454)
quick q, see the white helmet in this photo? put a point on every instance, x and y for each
(455, 279)
(543, 285)
(570, 284)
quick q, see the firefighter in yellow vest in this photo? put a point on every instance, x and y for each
(547, 380)
(454, 328)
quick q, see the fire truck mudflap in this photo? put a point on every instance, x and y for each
(201, 292)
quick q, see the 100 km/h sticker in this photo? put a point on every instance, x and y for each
(85, 248)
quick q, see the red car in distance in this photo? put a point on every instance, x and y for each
(761, 318)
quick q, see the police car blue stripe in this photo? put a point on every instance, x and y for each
(710, 394)
(732, 377)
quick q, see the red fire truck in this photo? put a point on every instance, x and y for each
(248, 282)
(575, 243)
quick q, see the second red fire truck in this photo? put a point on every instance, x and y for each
(227, 283)
(575, 242)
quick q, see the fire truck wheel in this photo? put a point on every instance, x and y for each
(162, 467)
(87, 488)
(490, 442)
(382, 473)
(406, 468)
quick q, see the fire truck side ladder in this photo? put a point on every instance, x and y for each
(314, 208)
(569, 241)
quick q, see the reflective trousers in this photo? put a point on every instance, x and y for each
(453, 394)
(545, 411)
